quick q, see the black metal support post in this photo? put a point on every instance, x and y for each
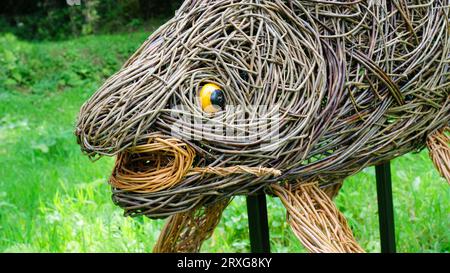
(258, 224)
(385, 207)
(259, 227)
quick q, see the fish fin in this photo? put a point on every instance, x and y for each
(186, 231)
(439, 149)
(315, 219)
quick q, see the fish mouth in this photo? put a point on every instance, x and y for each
(158, 165)
(163, 162)
(163, 176)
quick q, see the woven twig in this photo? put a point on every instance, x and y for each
(438, 146)
(316, 221)
(186, 232)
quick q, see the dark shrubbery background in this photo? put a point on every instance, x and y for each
(53, 20)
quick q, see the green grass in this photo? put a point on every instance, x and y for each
(53, 199)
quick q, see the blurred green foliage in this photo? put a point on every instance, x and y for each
(45, 67)
(56, 19)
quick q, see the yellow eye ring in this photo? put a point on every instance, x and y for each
(212, 98)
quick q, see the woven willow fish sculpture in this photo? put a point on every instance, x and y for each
(287, 97)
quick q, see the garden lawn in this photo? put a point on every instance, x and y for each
(54, 199)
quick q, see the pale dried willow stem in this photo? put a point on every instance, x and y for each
(225, 171)
(438, 146)
(316, 221)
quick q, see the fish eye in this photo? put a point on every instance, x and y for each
(212, 98)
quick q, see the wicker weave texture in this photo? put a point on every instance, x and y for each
(354, 84)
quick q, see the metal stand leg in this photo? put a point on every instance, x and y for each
(258, 224)
(385, 207)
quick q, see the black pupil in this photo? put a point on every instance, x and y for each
(218, 99)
